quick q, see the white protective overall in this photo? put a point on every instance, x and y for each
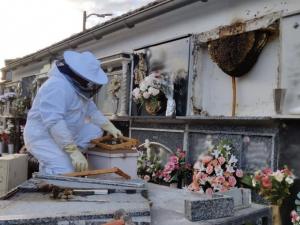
(60, 117)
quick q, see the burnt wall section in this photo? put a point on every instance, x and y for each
(256, 141)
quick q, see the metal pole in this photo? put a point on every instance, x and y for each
(84, 21)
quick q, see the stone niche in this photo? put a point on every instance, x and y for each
(112, 99)
(255, 140)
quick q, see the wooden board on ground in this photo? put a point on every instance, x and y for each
(99, 172)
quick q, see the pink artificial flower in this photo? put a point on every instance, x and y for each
(209, 191)
(221, 160)
(173, 159)
(267, 171)
(227, 174)
(215, 162)
(232, 181)
(147, 178)
(295, 217)
(181, 153)
(213, 181)
(239, 173)
(167, 178)
(206, 159)
(209, 169)
(266, 182)
(220, 179)
(287, 172)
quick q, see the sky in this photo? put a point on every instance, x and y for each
(30, 25)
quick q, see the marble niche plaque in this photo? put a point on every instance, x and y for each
(257, 152)
(198, 143)
(171, 140)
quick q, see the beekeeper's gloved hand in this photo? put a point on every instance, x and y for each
(110, 128)
(78, 160)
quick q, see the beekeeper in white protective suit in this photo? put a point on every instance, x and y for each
(63, 118)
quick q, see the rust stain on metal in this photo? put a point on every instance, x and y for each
(233, 29)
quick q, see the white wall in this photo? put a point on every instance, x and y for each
(255, 90)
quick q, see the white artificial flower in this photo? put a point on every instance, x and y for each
(278, 176)
(219, 171)
(146, 95)
(216, 153)
(153, 91)
(143, 86)
(136, 93)
(289, 180)
(229, 169)
(227, 147)
(253, 182)
(232, 160)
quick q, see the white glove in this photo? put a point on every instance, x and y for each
(110, 128)
(78, 160)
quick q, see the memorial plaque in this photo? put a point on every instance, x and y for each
(169, 139)
(257, 153)
(198, 144)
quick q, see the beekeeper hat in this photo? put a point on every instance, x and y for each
(86, 65)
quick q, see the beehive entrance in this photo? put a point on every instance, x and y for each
(237, 54)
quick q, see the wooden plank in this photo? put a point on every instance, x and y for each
(99, 172)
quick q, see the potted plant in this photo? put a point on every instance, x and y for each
(216, 171)
(272, 186)
(177, 171)
(149, 94)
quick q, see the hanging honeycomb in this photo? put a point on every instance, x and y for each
(236, 54)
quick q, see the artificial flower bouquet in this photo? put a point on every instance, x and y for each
(272, 186)
(149, 167)
(177, 169)
(217, 170)
(149, 93)
(149, 88)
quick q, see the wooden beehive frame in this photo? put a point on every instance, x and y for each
(126, 143)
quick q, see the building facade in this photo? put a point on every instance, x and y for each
(257, 109)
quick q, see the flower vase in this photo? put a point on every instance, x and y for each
(276, 215)
(153, 107)
(173, 185)
(10, 148)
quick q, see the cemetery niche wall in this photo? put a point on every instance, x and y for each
(160, 79)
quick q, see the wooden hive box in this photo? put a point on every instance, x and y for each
(112, 144)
